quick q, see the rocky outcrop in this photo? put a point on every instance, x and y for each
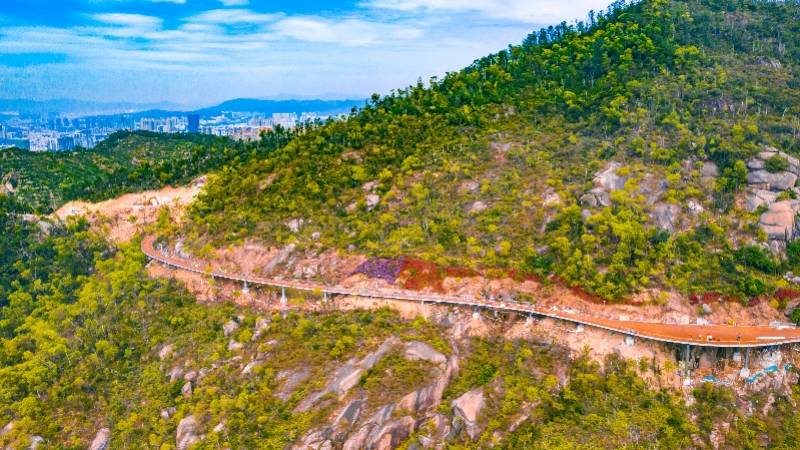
(665, 216)
(709, 170)
(348, 375)
(165, 352)
(230, 327)
(430, 396)
(760, 178)
(608, 178)
(291, 380)
(779, 220)
(605, 181)
(168, 412)
(759, 197)
(467, 408)
(186, 434)
(262, 325)
(392, 434)
(36, 441)
(349, 415)
(372, 201)
(595, 198)
(416, 350)
(477, 207)
(778, 181)
(101, 440)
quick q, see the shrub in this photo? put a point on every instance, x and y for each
(776, 163)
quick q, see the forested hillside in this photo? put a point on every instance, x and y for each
(613, 153)
(125, 162)
(94, 350)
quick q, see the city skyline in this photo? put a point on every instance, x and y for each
(197, 52)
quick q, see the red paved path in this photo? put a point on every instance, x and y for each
(705, 335)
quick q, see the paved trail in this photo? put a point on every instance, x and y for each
(703, 335)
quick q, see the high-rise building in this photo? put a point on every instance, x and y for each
(194, 123)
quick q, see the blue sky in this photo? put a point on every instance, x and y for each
(198, 52)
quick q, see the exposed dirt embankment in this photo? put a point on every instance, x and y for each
(121, 218)
(334, 268)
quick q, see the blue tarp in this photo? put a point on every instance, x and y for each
(710, 379)
(770, 369)
(754, 377)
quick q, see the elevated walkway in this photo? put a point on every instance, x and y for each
(723, 336)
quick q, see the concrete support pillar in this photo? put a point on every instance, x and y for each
(245, 289)
(687, 358)
(747, 358)
(284, 300)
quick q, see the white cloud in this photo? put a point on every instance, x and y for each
(128, 20)
(350, 32)
(234, 2)
(233, 17)
(528, 11)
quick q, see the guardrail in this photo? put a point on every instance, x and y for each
(754, 336)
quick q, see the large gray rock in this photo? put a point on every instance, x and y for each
(666, 216)
(7, 428)
(372, 201)
(760, 197)
(101, 440)
(769, 152)
(349, 415)
(358, 440)
(597, 197)
(467, 408)
(779, 220)
(165, 352)
(347, 376)
(608, 179)
(186, 434)
(291, 380)
(262, 325)
(417, 350)
(779, 181)
(434, 431)
(230, 327)
(430, 396)
(477, 207)
(709, 170)
(36, 441)
(316, 440)
(392, 434)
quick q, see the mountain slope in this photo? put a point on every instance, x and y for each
(610, 154)
(126, 162)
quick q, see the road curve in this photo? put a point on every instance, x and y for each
(699, 335)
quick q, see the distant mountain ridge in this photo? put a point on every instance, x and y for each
(164, 109)
(78, 107)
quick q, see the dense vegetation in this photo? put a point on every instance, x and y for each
(82, 327)
(125, 162)
(486, 167)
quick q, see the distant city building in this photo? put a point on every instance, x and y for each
(194, 123)
(65, 143)
(284, 120)
(59, 132)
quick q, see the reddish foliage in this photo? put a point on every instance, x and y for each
(418, 275)
(787, 294)
(459, 272)
(705, 297)
(580, 293)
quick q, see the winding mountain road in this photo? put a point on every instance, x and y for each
(696, 335)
